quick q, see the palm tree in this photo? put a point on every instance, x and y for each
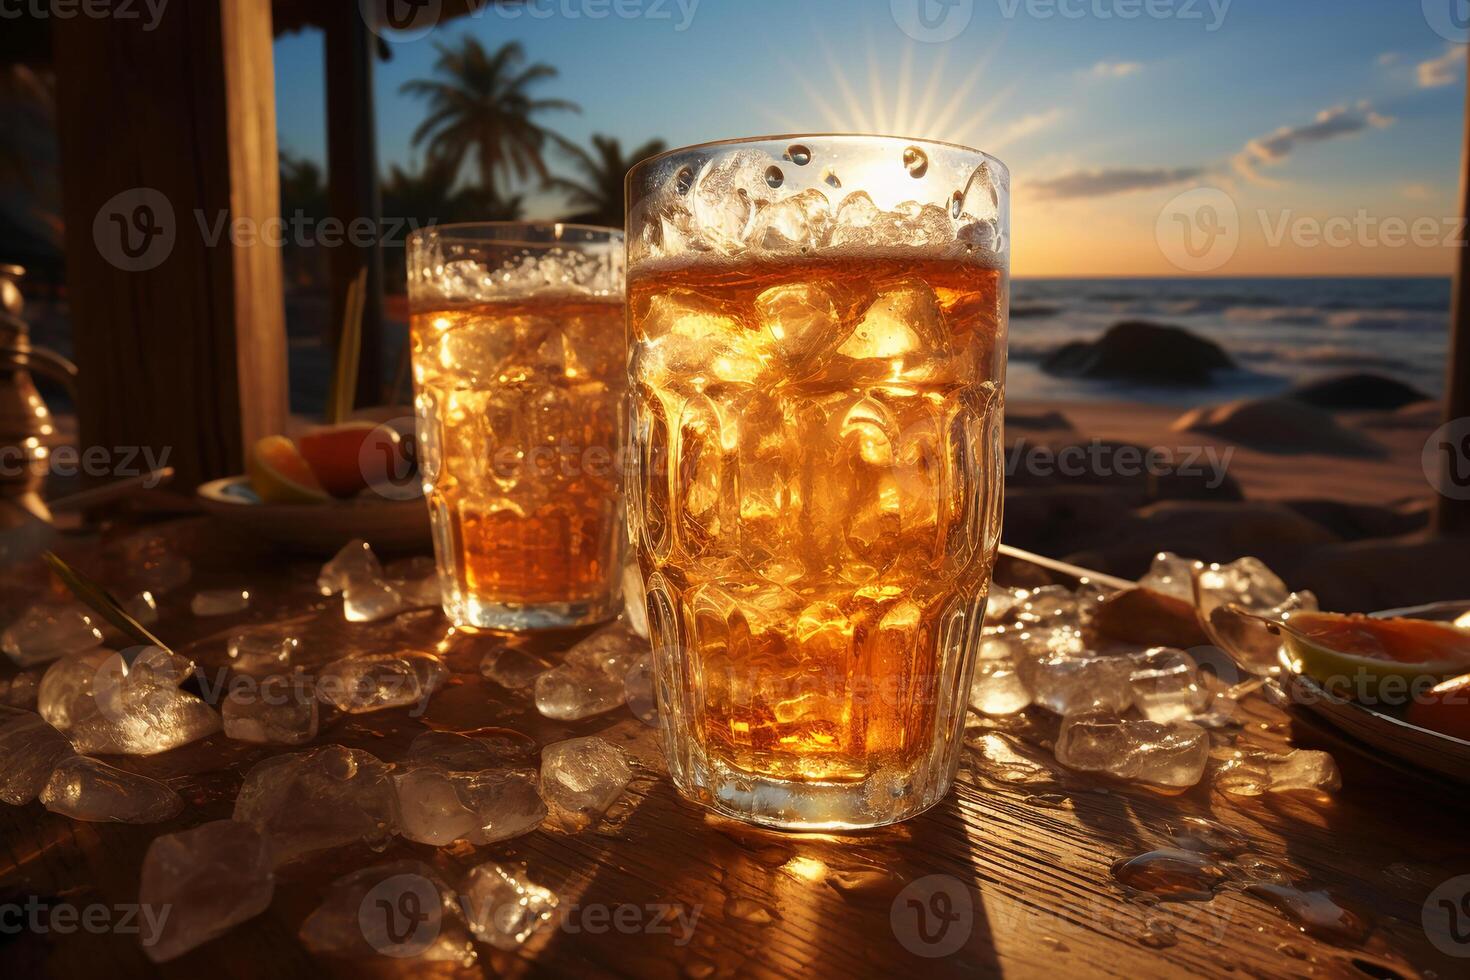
(481, 101)
(599, 187)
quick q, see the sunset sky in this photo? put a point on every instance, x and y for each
(1301, 113)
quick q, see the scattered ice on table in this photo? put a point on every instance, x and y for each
(84, 788)
(590, 679)
(48, 632)
(355, 563)
(281, 709)
(320, 798)
(438, 806)
(416, 579)
(580, 779)
(1247, 581)
(402, 909)
(1049, 641)
(134, 706)
(512, 667)
(20, 690)
(1145, 751)
(1171, 576)
(29, 751)
(1251, 773)
(639, 691)
(635, 611)
(370, 601)
(503, 906)
(219, 602)
(143, 607)
(1001, 602)
(1166, 685)
(210, 878)
(465, 753)
(359, 684)
(1068, 685)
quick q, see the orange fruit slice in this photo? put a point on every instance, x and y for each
(334, 454)
(280, 474)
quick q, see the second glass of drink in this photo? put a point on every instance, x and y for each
(518, 340)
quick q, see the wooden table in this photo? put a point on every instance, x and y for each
(1027, 845)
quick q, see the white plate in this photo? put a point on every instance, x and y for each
(1417, 746)
(390, 526)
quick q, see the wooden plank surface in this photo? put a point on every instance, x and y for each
(1029, 845)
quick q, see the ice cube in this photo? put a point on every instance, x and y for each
(1166, 685)
(639, 690)
(635, 609)
(903, 327)
(463, 753)
(1068, 685)
(359, 684)
(320, 798)
(402, 910)
(687, 338)
(262, 651)
(801, 221)
(84, 788)
(280, 709)
(590, 679)
(47, 632)
(143, 607)
(1250, 772)
(1170, 575)
(1056, 606)
(219, 602)
(1247, 581)
(511, 667)
(29, 750)
(1142, 751)
(856, 221)
(724, 199)
(999, 687)
(134, 706)
(504, 906)
(20, 690)
(580, 779)
(354, 563)
(210, 878)
(370, 601)
(801, 321)
(65, 693)
(437, 806)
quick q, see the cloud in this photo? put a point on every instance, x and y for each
(1115, 69)
(1118, 180)
(1388, 59)
(1330, 124)
(1443, 70)
(1026, 126)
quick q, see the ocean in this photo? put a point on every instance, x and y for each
(1279, 331)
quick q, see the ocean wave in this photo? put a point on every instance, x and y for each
(1391, 319)
(1297, 316)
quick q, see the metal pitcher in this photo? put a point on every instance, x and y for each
(26, 426)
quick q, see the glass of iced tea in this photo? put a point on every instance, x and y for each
(817, 335)
(517, 337)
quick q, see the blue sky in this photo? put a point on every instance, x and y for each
(1354, 106)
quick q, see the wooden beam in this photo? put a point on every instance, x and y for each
(1452, 513)
(352, 185)
(169, 173)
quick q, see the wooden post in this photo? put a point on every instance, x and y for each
(352, 184)
(169, 176)
(1452, 516)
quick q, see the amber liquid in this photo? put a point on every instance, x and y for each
(520, 410)
(817, 504)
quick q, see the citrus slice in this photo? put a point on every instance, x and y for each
(280, 475)
(1444, 709)
(1332, 648)
(334, 453)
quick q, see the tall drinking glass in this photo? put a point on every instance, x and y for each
(817, 346)
(519, 379)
